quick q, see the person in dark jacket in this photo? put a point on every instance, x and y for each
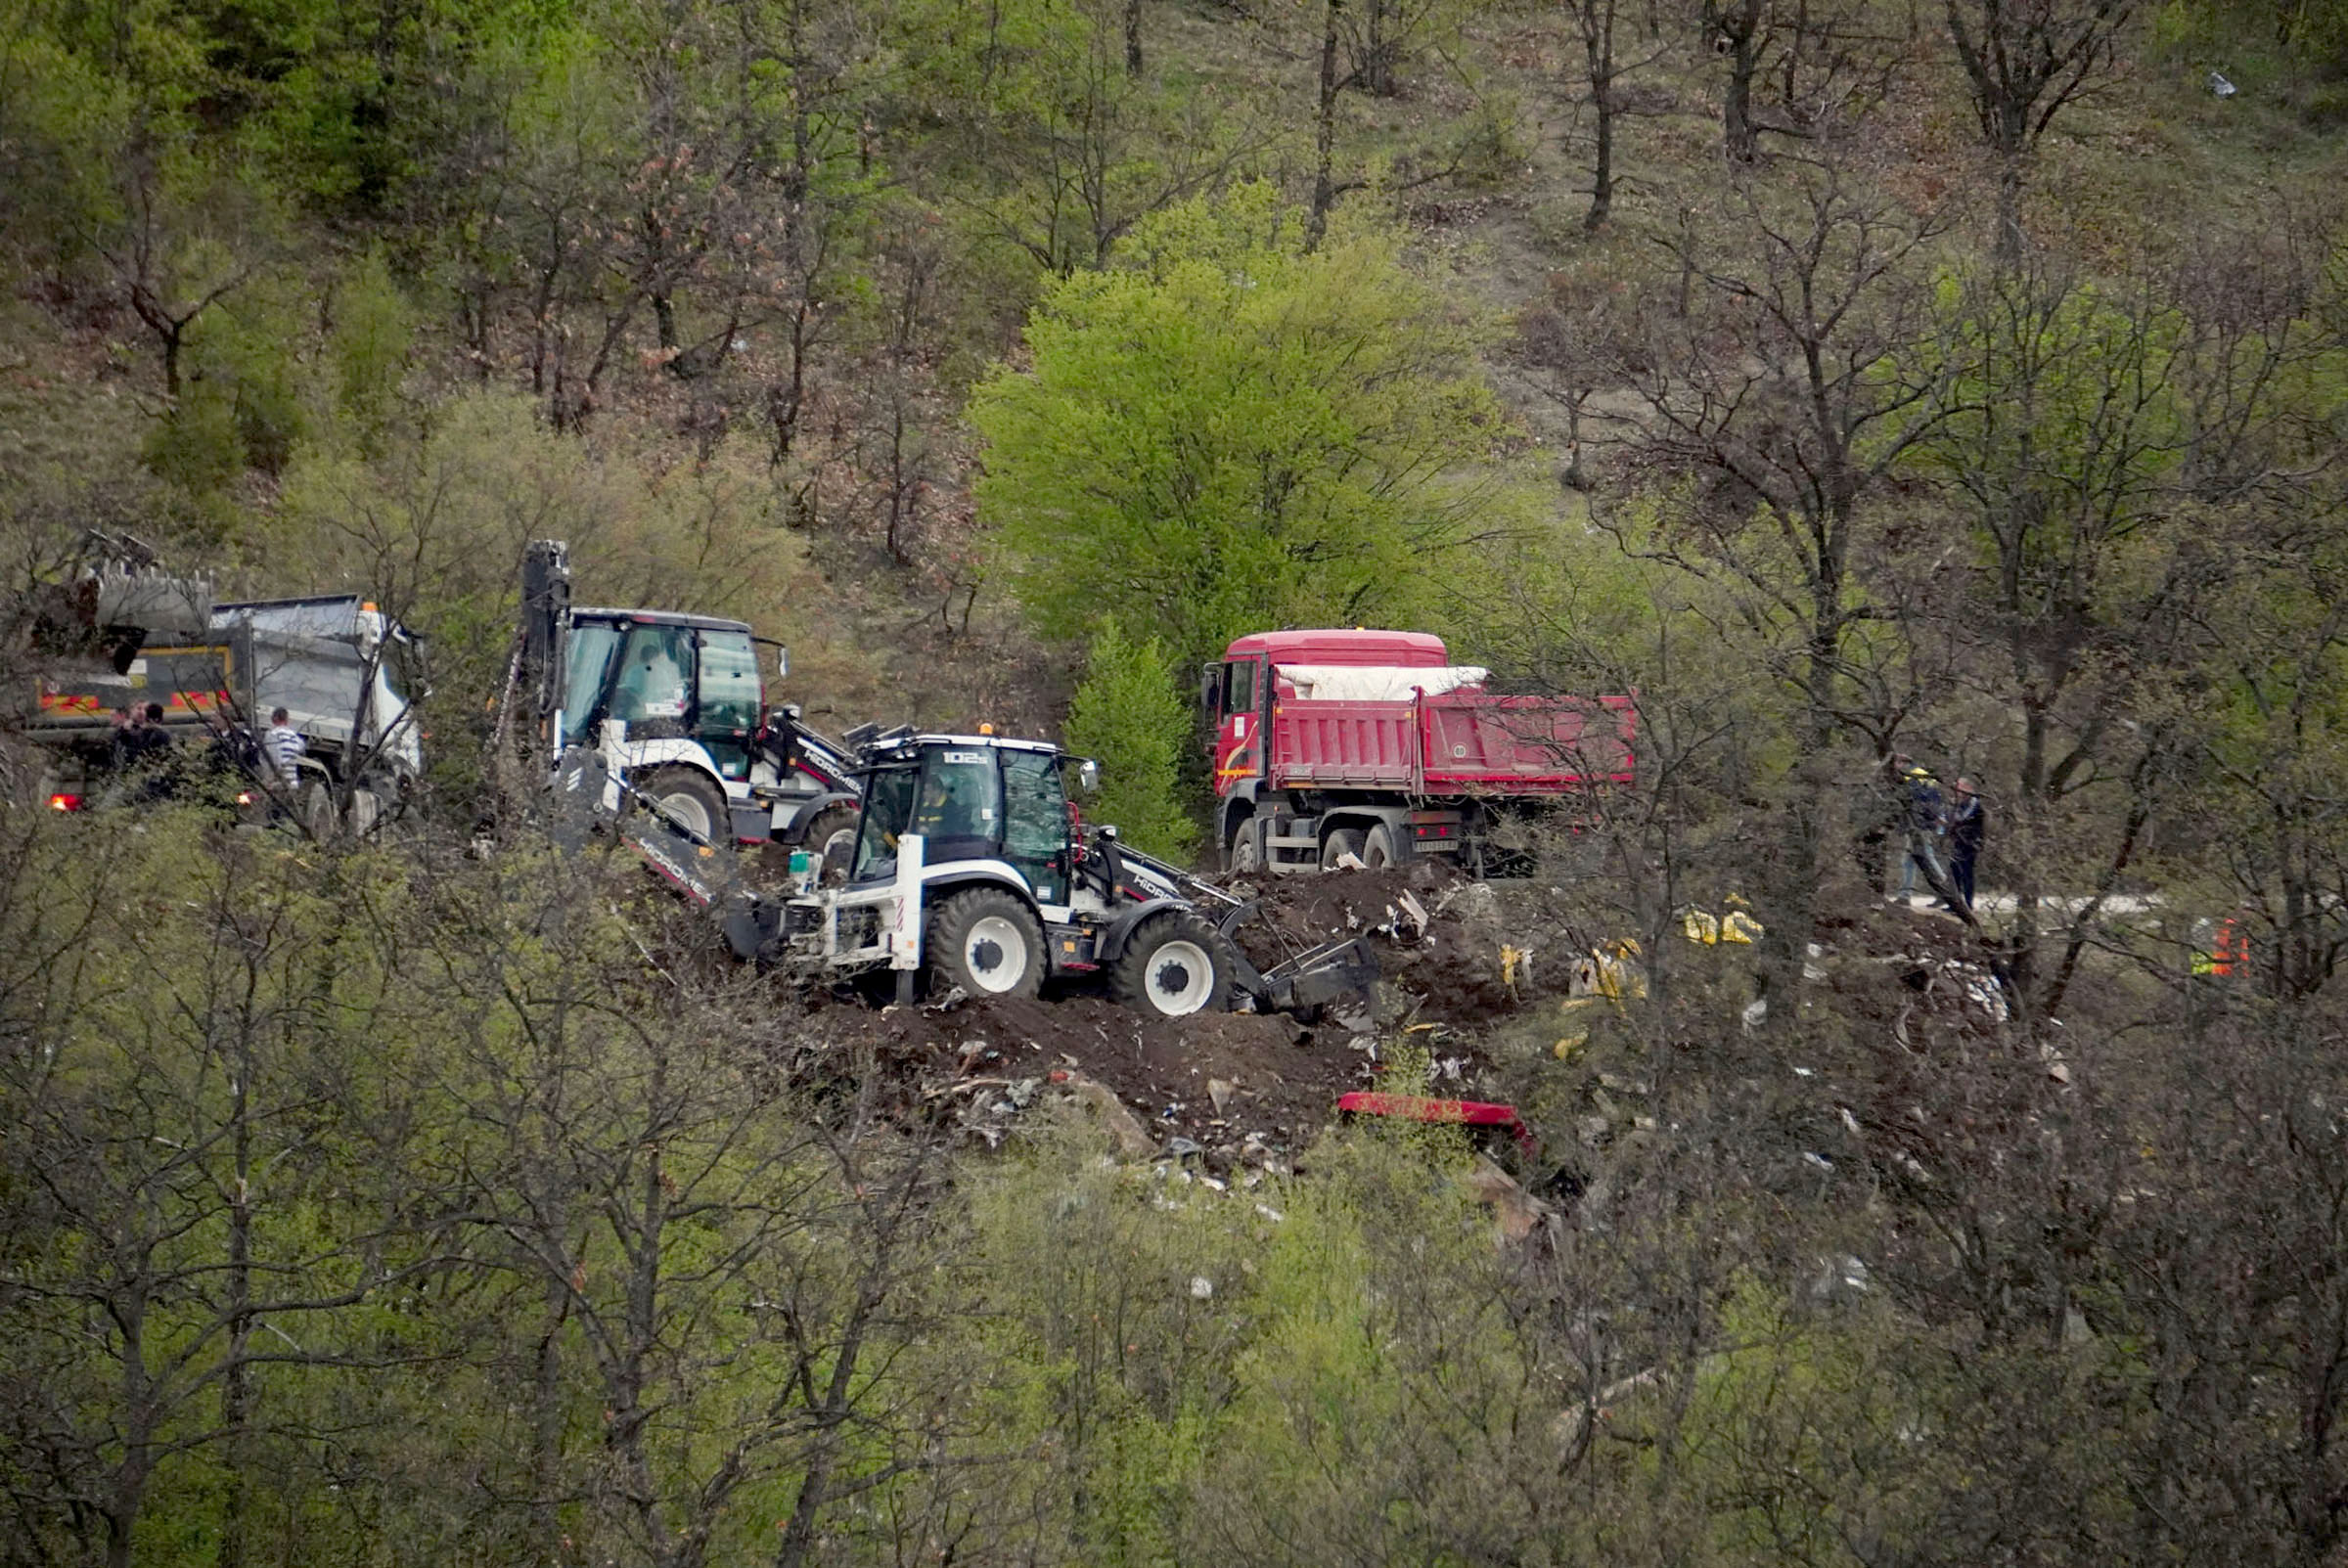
(1968, 823)
(151, 756)
(1924, 828)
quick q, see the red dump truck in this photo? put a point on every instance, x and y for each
(1375, 745)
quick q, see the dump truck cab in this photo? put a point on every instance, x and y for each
(1236, 692)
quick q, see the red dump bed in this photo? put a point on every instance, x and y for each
(1458, 744)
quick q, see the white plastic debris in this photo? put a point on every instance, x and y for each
(1201, 1287)
(2220, 87)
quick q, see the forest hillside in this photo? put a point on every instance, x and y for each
(1872, 394)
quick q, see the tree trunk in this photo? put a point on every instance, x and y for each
(1597, 42)
(546, 1424)
(236, 1388)
(2006, 253)
(1325, 131)
(1737, 36)
(1133, 37)
(1377, 70)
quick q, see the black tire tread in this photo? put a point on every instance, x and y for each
(1128, 975)
(672, 781)
(951, 921)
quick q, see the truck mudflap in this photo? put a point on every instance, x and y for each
(1313, 978)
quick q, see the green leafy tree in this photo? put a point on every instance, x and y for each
(1233, 433)
(1129, 717)
(372, 327)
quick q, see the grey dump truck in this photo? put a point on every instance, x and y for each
(125, 639)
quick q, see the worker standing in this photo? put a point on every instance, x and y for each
(1925, 825)
(1968, 825)
(284, 745)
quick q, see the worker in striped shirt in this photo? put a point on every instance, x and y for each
(283, 745)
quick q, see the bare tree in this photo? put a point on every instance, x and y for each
(1594, 20)
(179, 254)
(1776, 410)
(169, 1153)
(676, 1217)
(2027, 61)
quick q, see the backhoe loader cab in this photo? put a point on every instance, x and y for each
(969, 866)
(671, 707)
(673, 700)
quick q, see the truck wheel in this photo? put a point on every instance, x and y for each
(1378, 849)
(832, 838)
(1340, 842)
(988, 942)
(318, 810)
(1174, 965)
(692, 799)
(1246, 850)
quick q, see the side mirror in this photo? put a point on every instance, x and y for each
(1210, 689)
(781, 662)
(1088, 777)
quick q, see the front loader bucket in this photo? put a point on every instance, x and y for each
(1324, 974)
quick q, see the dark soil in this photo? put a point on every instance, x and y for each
(987, 1060)
(1284, 1078)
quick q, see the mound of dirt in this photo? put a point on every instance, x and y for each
(1229, 1089)
(989, 1060)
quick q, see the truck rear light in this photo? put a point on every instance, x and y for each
(244, 797)
(60, 801)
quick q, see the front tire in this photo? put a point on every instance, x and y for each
(1174, 965)
(1246, 850)
(988, 942)
(692, 800)
(832, 838)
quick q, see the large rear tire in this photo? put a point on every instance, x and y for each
(1340, 842)
(688, 796)
(987, 941)
(1377, 848)
(1174, 965)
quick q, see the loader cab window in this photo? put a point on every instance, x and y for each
(888, 814)
(959, 808)
(1035, 822)
(653, 689)
(728, 699)
(593, 647)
